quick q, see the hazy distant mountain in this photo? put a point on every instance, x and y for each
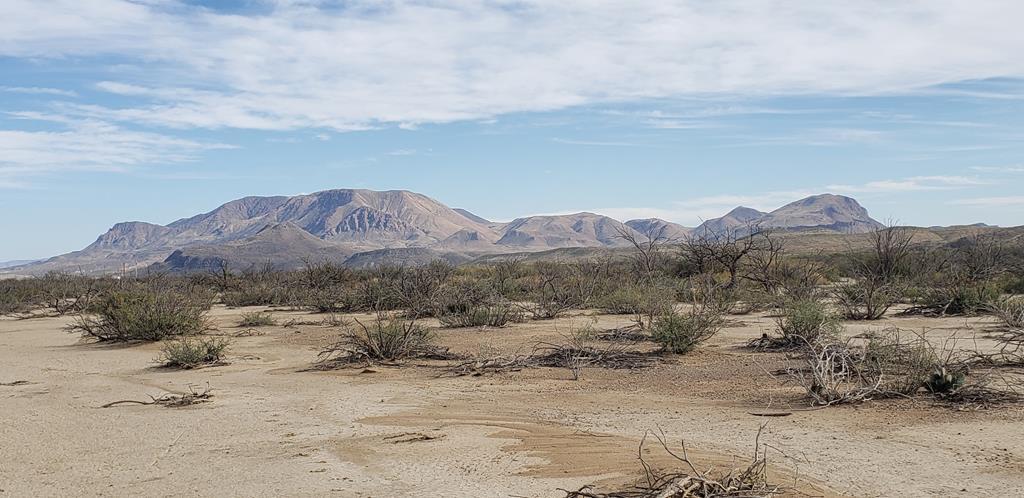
(659, 228)
(827, 212)
(16, 262)
(364, 226)
(571, 230)
(739, 217)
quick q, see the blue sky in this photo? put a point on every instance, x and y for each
(154, 110)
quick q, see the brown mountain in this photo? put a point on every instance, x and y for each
(340, 224)
(285, 245)
(830, 212)
(825, 212)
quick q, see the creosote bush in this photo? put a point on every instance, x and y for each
(187, 352)
(144, 312)
(257, 319)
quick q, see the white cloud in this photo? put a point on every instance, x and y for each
(999, 169)
(38, 90)
(85, 145)
(599, 143)
(914, 183)
(364, 64)
(991, 202)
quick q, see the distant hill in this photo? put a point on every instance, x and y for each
(363, 227)
(825, 212)
(660, 229)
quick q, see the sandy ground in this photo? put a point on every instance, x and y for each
(276, 427)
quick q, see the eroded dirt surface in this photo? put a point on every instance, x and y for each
(277, 427)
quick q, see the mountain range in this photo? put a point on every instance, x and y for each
(363, 227)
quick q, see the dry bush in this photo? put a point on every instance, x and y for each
(483, 315)
(145, 312)
(878, 276)
(868, 298)
(257, 319)
(194, 396)
(323, 287)
(55, 293)
(189, 353)
(550, 292)
(420, 290)
(387, 338)
(688, 481)
(895, 363)
(1010, 311)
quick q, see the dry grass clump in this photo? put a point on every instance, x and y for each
(388, 338)
(257, 319)
(145, 313)
(190, 353)
(688, 481)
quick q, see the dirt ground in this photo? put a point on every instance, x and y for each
(277, 427)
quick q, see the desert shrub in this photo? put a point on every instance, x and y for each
(549, 296)
(462, 296)
(186, 352)
(145, 313)
(877, 277)
(18, 296)
(680, 332)
(386, 338)
(257, 319)
(807, 320)
(419, 290)
(956, 299)
(1013, 284)
(1009, 310)
(321, 287)
(632, 299)
(483, 315)
(894, 363)
(868, 298)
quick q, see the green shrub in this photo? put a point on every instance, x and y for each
(681, 332)
(806, 320)
(257, 319)
(187, 352)
(145, 313)
(487, 315)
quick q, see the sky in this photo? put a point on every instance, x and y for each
(155, 110)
